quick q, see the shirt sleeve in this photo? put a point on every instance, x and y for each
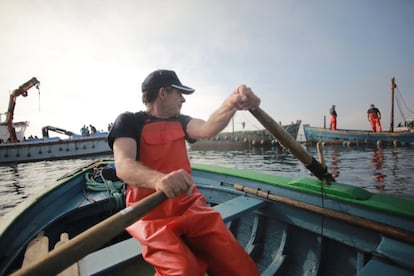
(185, 119)
(125, 125)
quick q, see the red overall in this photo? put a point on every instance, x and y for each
(333, 122)
(374, 121)
(182, 236)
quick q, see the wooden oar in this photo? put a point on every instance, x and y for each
(388, 230)
(90, 240)
(284, 138)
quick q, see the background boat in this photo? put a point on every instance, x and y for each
(15, 147)
(316, 134)
(53, 148)
(244, 139)
(289, 226)
(402, 134)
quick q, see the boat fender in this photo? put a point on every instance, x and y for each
(379, 144)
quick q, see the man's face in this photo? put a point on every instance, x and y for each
(174, 101)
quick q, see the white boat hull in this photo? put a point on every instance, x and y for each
(53, 148)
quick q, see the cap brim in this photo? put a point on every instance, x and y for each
(184, 89)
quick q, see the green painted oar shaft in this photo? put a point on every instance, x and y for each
(90, 240)
(294, 147)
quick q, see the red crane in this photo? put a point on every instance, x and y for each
(21, 91)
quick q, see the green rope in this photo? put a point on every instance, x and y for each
(115, 189)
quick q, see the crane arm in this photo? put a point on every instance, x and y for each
(21, 91)
(46, 129)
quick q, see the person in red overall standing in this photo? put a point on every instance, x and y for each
(183, 235)
(374, 118)
(333, 114)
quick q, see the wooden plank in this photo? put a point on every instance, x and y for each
(72, 270)
(36, 249)
(238, 207)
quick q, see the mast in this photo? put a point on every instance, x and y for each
(393, 86)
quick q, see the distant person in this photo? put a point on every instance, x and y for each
(84, 130)
(93, 129)
(110, 126)
(333, 114)
(374, 118)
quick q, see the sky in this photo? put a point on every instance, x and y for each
(298, 56)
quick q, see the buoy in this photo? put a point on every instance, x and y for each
(379, 144)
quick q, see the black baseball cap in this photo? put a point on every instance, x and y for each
(164, 78)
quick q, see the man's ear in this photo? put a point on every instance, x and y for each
(162, 93)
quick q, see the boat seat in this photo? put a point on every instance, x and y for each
(38, 248)
(394, 252)
(238, 207)
(377, 267)
(131, 248)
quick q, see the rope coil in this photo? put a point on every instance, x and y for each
(96, 181)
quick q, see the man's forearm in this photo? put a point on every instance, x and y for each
(136, 174)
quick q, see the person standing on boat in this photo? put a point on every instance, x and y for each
(183, 235)
(374, 118)
(333, 114)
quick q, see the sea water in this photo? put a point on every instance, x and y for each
(388, 170)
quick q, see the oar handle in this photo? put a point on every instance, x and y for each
(93, 238)
(284, 138)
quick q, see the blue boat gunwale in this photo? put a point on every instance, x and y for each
(337, 191)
